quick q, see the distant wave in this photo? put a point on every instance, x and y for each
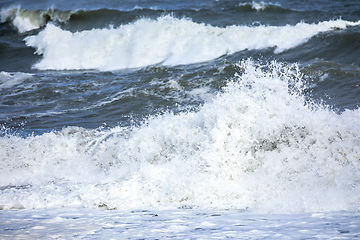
(26, 20)
(165, 40)
(261, 6)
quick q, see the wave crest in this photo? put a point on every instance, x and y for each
(25, 20)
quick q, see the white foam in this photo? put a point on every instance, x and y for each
(167, 40)
(257, 146)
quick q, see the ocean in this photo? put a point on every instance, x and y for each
(162, 119)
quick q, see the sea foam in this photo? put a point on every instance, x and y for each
(259, 145)
(166, 40)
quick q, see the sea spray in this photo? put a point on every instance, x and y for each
(166, 40)
(259, 145)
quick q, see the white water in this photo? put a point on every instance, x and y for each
(166, 40)
(258, 146)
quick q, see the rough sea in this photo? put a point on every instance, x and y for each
(203, 119)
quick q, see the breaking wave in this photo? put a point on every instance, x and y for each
(25, 20)
(167, 40)
(259, 145)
